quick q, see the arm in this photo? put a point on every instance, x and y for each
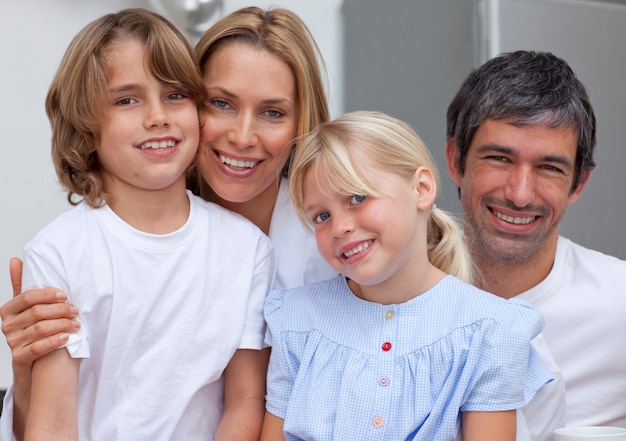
(272, 428)
(244, 395)
(34, 322)
(53, 407)
(489, 426)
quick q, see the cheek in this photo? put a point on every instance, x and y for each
(208, 130)
(279, 147)
(483, 181)
(323, 243)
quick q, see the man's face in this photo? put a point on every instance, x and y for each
(516, 187)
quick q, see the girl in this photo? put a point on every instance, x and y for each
(398, 347)
(167, 331)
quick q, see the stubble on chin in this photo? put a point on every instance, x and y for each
(487, 244)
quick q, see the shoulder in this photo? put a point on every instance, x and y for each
(304, 303)
(575, 254)
(65, 226)
(311, 294)
(475, 305)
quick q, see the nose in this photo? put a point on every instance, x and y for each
(156, 115)
(243, 131)
(342, 223)
(520, 187)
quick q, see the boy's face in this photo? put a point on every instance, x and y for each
(150, 131)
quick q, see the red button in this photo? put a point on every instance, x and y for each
(386, 346)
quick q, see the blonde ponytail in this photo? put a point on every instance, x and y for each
(446, 247)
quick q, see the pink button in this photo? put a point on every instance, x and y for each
(383, 381)
(377, 421)
(386, 346)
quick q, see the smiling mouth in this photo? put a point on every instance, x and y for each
(237, 164)
(357, 249)
(514, 220)
(157, 145)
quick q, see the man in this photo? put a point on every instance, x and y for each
(520, 142)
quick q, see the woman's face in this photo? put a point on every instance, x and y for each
(251, 121)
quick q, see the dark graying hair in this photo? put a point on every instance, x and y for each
(524, 87)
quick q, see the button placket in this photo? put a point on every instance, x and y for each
(388, 328)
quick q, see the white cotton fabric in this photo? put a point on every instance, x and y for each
(161, 316)
(583, 301)
(298, 262)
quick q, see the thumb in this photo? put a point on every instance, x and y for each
(15, 268)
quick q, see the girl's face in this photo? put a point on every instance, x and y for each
(376, 242)
(251, 121)
(150, 130)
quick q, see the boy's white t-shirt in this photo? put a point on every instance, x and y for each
(161, 316)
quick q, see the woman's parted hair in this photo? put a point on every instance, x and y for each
(393, 146)
(280, 32)
(79, 90)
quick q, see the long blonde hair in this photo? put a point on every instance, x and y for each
(393, 146)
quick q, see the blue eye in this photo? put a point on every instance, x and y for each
(357, 199)
(273, 113)
(219, 103)
(321, 217)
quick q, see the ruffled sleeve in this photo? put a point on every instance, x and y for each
(512, 371)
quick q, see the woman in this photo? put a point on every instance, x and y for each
(265, 88)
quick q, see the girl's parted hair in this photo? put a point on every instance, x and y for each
(393, 146)
(79, 90)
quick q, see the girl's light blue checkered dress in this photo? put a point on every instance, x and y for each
(346, 369)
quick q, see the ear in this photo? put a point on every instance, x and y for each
(584, 178)
(452, 155)
(425, 187)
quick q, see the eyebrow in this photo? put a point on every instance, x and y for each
(310, 207)
(556, 159)
(124, 88)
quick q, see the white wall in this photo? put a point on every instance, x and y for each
(34, 36)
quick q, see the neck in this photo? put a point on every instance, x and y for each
(508, 279)
(258, 210)
(400, 289)
(156, 212)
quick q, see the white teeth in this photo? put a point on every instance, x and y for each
(157, 145)
(514, 220)
(357, 249)
(236, 163)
